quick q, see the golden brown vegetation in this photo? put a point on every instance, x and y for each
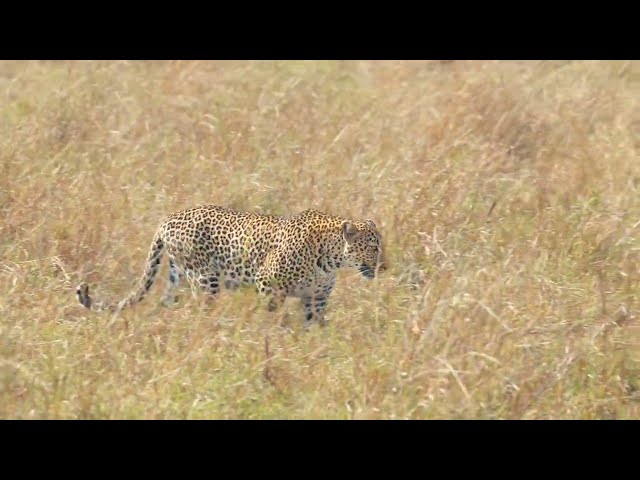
(508, 194)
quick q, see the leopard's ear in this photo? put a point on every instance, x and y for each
(370, 224)
(349, 231)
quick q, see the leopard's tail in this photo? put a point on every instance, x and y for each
(147, 280)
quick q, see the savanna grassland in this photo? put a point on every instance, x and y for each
(508, 195)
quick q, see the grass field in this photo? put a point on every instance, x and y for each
(508, 194)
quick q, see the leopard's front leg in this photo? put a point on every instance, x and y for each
(270, 290)
(315, 303)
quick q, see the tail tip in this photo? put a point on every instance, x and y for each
(82, 292)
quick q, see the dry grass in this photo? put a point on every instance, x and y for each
(508, 194)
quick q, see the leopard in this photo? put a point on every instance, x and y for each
(282, 256)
